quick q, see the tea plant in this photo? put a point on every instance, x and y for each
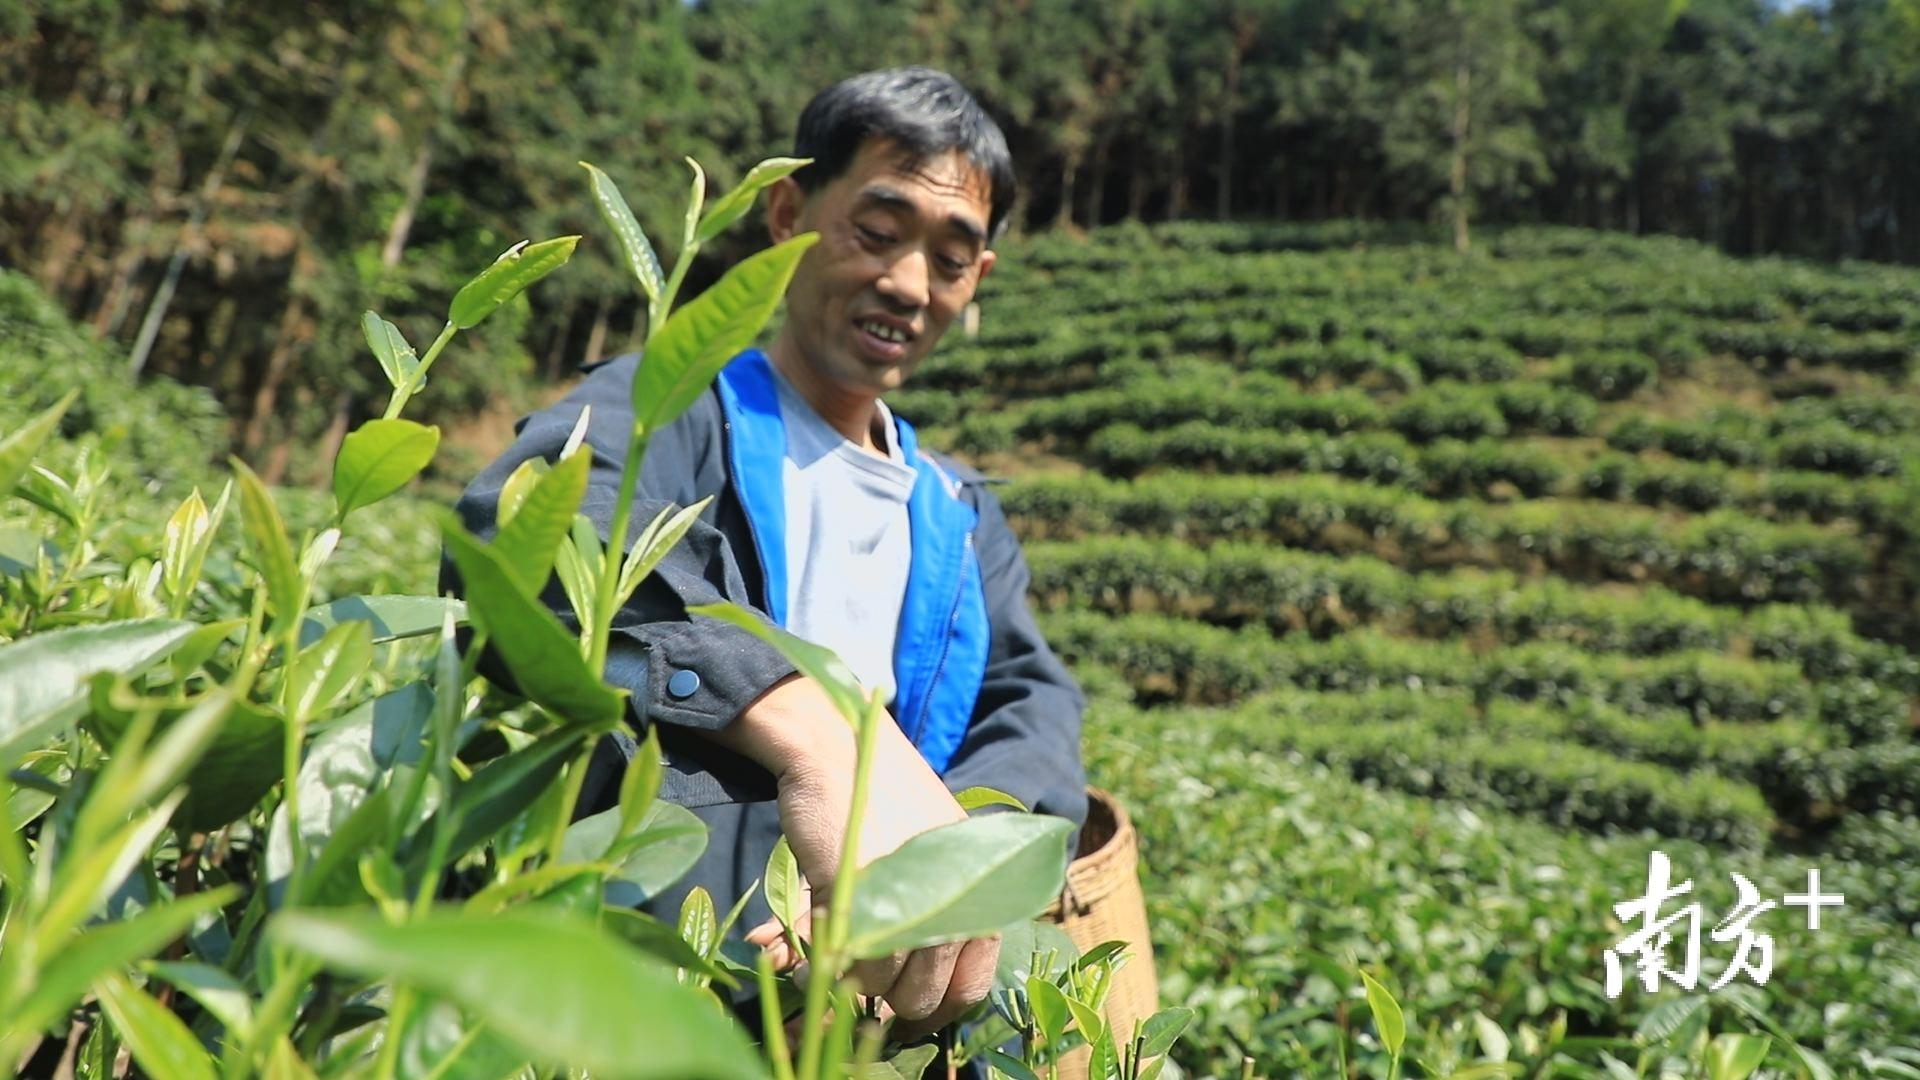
(244, 833)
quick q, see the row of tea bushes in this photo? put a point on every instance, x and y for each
(1172, 659)
(1725, 556)
(1303, 590)
(1255, 849)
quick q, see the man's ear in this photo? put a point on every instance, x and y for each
(784, 202)
(987, 259)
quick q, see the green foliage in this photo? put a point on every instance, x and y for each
(352, 862)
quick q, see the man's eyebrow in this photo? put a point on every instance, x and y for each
(893, 199)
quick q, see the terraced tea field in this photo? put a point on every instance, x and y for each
(1423, 596)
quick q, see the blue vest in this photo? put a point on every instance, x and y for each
(940, 647)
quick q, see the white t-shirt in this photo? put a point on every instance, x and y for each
(848, 542)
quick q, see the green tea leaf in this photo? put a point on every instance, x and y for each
(17, 450)
(378, 459)
(1091, 1024)
(816, 662)
(272, 551)
(499, 792)
(640, 784)
(563, 989)
(975, 798)
(527, 542)
(42, 672)
(1386, 1015)
(626, 229)
(542, 656)
(782, 885)
(216, 991)
(667, 844)
(516, 269)
(388, 618)
(189, 533)
(1049, 1007)
(1020, 942)
(109, 947)
(238, 765)
(1735, 1057)
(1164, 1029)
(908, 1064)
(1667, 1017)
(702, 335)
(514, 490)
(390, 347)
(658, 538)
(663, 942)
(699, 923)
(959, 881)
(1012, 1066)
(696, 199)
(160, 1043)
(738, 201)
(328, 669)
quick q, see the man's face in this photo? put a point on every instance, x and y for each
(903, 246)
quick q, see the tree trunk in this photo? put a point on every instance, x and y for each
(1069, 189)
(278, 361)
(1136, 191)
(1097, 188)
(402, 223)
(598, 338)
(1462, 84)
(562, 337)
(1244, 31)
(163, 296)
(1177, 193)
(69, 237)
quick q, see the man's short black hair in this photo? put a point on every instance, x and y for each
(926, 111)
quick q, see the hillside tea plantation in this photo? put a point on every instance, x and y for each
(1418, 598)
(1424, 596)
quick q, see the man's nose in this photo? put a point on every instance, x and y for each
(905, 284)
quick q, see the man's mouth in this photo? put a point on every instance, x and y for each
(884, 331)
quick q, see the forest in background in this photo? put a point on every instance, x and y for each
(222, 188)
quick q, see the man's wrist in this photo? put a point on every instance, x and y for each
(791, 726)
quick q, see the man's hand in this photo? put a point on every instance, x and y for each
(794, 732)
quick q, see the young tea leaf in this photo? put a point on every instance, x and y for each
(699, 923)
(519, 267)
(378, 459)
(626, 229)
(272, 551)
(738, 201)
(17, 450)
(328, 669)
(542, 656)
(159, 1042)
(527, 542)
(975, 798)
(701, 336)
(1387, 1016)
(640, 784)
(784, 893)
(390, 347)
(1735, 1057)
(1164, 1029)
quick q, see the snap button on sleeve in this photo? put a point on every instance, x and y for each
(683, 683)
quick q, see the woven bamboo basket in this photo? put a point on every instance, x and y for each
(1103, 902)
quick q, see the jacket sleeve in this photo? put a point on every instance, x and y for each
(1025, 735)
(654, 639)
